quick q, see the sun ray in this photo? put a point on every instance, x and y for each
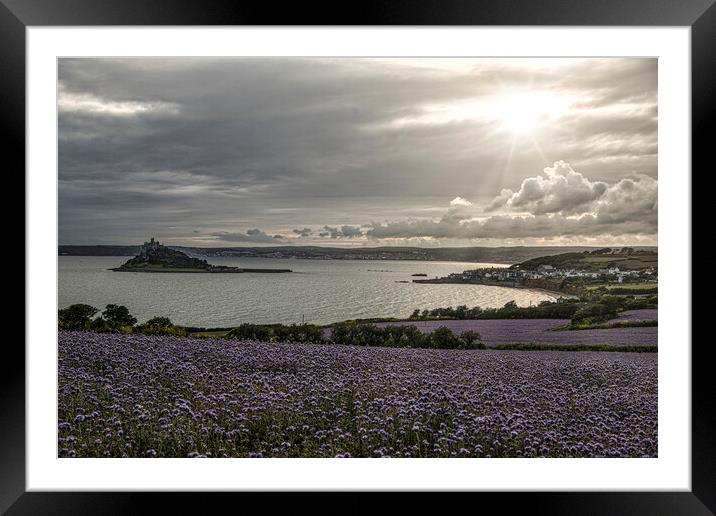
(538, 148)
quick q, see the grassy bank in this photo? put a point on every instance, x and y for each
(607, 325)
(577, 347)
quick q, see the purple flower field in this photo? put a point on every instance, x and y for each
(513, 331)
(140, 396)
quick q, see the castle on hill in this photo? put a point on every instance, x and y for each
(155, 257)
(149, 247)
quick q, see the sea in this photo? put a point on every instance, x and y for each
(317, 291)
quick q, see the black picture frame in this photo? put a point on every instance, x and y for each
(17, 15)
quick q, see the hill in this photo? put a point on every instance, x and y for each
(505, 255)
(603, 258)
(154, 257)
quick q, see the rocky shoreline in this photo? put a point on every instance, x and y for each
(216, 269)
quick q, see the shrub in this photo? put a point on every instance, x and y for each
(161, 326)
(471, 340)
(594, 314)
(99, 325)
(278, 333)
(443, 338)
(250, 332)
(359, 335)
(76, 317)
(404, 336)
(561, 309)
(118, 316)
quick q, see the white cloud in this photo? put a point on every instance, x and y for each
(560, 190)
(91, 104)
(459, 201)
(561, 203)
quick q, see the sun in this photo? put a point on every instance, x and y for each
(525, 113)
(519, 117)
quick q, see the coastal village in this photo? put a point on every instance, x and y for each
(624, 268)
(544, 271)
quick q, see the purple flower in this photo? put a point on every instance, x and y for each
(264, 399)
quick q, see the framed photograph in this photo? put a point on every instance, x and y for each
(415, 249)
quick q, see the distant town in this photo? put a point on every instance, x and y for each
(573, 273)
(611, 274)
(501, 255)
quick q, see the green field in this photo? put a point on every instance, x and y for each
(587, 261)
(629, 262)
(625, 286)
(217, 334)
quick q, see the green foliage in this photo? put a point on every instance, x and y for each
(279, 333)
(629, 291)
(607, 325)
(99, 325)
(579, 347)
(79, 317)
(76, 317)
(562, 309)
(595, 313)
(639, 303)
(404, 336)
(594, 260)
(118, 316)
(471, 340)
(443, 338)
(360, 334)
(609, 306)
(161, 326)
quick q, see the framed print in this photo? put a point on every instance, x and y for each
(415, 249)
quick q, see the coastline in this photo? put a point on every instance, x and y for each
(195, 271)
(552, 293)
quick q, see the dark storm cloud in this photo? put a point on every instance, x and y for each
(254, 236)
(341, 232)
(305, 232)
(189, 149)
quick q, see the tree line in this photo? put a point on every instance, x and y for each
(114, 319)
(561, 309)
(359, 334)
(608, 307)
(117, 319)
(601, 307)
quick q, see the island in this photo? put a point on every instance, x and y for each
(154, 257)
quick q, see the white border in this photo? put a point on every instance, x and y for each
(671, 470)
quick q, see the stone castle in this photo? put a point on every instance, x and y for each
(149, 247)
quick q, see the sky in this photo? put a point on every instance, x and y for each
(224, 152)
